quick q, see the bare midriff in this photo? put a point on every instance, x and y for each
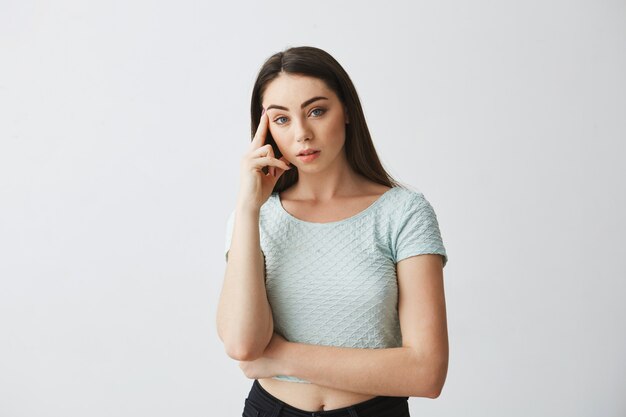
(311, 397)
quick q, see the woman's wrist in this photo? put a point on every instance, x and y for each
(289, 359)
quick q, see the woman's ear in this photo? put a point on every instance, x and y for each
(345, 114)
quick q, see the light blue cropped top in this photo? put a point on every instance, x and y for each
(335, 284)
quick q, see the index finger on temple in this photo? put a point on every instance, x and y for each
(261, 131)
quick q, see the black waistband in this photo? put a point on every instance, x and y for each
(377, 406)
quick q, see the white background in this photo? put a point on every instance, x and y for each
(121, 128)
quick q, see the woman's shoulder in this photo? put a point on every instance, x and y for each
(401, 195)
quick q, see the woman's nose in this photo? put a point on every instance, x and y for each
(302, 131)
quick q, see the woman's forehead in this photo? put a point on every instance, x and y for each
(295, 88)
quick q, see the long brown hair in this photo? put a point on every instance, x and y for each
(314, 62)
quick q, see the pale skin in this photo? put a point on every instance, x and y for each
(329, 190)
(417, 369)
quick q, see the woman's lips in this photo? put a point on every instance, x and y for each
(310, 157)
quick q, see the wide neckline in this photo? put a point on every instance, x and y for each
(346, 220)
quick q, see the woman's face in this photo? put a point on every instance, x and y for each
(305, 114)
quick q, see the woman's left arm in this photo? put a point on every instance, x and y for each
(417, 369)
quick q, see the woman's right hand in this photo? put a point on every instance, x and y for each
(255, 187)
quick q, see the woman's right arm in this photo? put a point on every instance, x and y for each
(244, 316)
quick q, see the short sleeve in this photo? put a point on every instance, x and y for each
(229, 232)
(418, 230)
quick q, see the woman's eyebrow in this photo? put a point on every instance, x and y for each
(303, 105)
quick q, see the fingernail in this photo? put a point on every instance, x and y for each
(263, 112)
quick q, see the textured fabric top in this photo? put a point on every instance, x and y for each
(335, 284)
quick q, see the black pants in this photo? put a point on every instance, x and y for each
(261, 403)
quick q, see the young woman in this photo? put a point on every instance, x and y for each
(333, 298)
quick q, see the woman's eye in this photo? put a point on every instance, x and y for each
(279, 118)
(321, 111)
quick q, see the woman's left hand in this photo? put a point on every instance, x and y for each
(270, 363)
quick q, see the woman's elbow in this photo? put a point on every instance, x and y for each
(435, 393)
(245, 349)
(438, 378)
(240, 352)
(430, 376)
